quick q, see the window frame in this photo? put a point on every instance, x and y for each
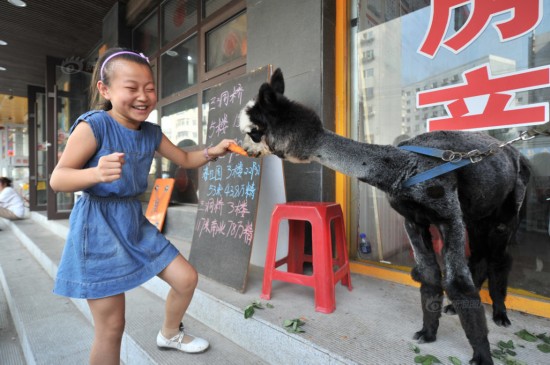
(205, 80)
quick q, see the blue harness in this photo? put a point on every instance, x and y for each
(438, 170)
(456, 160)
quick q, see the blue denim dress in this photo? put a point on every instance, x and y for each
(111, 247)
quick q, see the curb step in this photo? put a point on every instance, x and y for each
(144, 310)
(11, 351)
(51, 330)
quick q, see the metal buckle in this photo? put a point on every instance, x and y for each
(451, 156)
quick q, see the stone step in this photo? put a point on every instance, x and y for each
(11, 351)
(144, 310)
(50, 328)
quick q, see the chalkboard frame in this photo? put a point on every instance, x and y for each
(226, 214)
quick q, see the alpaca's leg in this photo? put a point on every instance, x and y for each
(477, 262)
(503, 231)
(463, 293)
(499, 266)
(428, 274)
(478, 236)
(478, 269)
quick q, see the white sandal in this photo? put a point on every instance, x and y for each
(196, 345)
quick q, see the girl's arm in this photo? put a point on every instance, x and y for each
(192, 159)
(68, 175)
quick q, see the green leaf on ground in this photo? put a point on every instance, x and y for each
(294, 325)
(455, 360)
(248, 311)
(506, 345)
(526, 335)
(544, 347)
(544, 338)
(414, 348)
(256, 304)
(426, 360)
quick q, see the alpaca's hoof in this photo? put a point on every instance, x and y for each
(482, 353)
(501, 319)
(449, 309)
(424, 336)
(482, 360)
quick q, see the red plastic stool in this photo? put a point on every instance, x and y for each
(324, 278)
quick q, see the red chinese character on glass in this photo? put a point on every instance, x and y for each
(525, 16)
(484, 102)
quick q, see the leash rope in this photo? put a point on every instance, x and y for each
(455, 160)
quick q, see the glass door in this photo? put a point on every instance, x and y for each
(38, 145)
(67, 89)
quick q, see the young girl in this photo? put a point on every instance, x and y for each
(111, 247)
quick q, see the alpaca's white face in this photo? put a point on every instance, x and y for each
(254, 140)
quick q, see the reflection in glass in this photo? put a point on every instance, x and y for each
(71, 102)
(210, 6)
(205, 110)
(179, 67)
(389, 72)
(179, 123)
(14, 146)
(226, 43)
(178, 16)
(145, 37)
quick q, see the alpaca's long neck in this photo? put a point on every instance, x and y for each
(382, 166)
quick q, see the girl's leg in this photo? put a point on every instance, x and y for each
(183, 278)
(108, 314)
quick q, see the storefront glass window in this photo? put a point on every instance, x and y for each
(211, 6)
(178, 16)
(145, 36)
(179, 67)
(180, 124)
(226, 43)
(401, 57)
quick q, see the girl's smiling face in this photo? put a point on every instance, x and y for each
(131, 91)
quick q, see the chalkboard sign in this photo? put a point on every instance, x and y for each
(229, 188)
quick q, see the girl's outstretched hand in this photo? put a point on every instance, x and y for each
(109, 167)
(222, 148)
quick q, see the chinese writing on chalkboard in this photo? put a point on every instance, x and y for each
(228, 185)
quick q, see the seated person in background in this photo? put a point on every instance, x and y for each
(12, 206)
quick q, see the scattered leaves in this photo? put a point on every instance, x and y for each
(455, 360)
(249, 309)
(506, 356)
(426, 360)
(526, 335)
(544, 338)
(506, 345)
(294, 325)
(414, 348)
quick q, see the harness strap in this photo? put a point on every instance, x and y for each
(436, 171)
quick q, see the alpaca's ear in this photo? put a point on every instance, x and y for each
(278, 82)
(267, 96)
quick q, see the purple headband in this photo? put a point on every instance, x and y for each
(117, 54)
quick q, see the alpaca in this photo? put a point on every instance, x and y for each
(483, 198)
